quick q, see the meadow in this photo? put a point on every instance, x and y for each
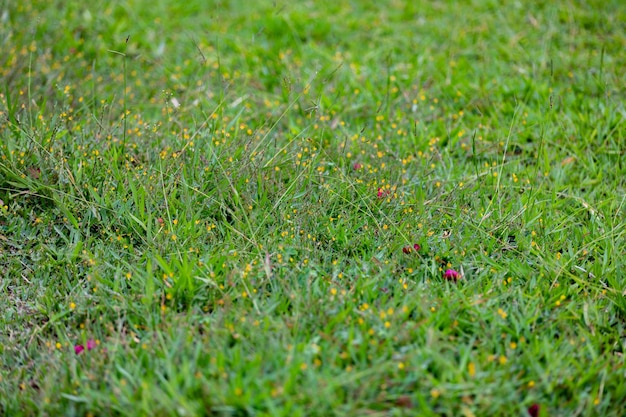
(313, 208)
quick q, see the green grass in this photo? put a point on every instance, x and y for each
(219, 195)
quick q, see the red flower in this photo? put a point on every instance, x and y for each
(451, 275)
(533, 410)
(382, 193)
(357, 166)
(409, 249)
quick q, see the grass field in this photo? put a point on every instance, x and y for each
(272, 208)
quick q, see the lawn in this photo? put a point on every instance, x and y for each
(312, 208)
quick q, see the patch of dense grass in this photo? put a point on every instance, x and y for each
(225, 196)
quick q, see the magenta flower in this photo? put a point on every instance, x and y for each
(91, 344)
(357, 166)
(451, 275)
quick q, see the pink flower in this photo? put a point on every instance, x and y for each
(451, 275)
(357, 166)
(416, 247)
(91, 344)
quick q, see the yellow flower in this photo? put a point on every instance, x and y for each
(471, 369)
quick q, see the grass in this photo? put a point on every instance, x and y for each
(220, 194)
